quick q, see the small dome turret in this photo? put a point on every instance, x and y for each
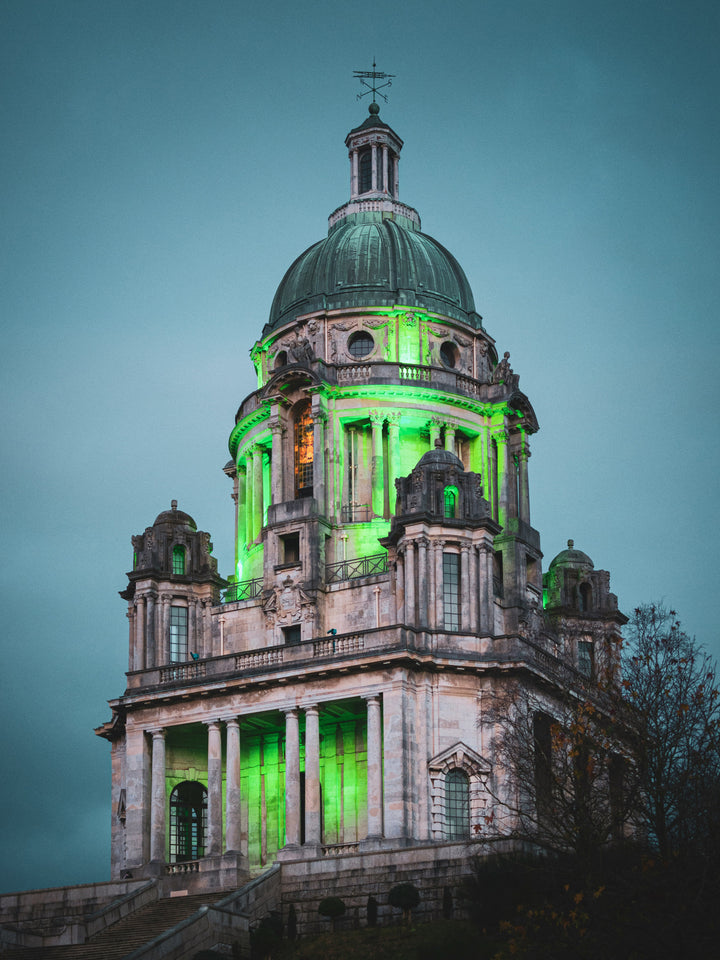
(572, 559)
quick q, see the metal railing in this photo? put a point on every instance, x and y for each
(245, 590)
(359, 567)
(356, 513)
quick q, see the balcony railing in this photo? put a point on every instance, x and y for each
(183, 671)
(356, 513)
(245, 590)
(359, 567)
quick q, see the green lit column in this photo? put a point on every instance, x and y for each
(257, 491)
(374, 769)
(232, 790)
(393, 458)
(249, 497)
(313, 817)
(292, 779)
(523, 457)
(501, 441)
(277, 486)
(422, 577)
(378, 466)
(435, 426)
(319, 469)
(213, 847)
(157, 797)
(450, 437)
(240, 532)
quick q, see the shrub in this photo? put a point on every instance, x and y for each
(332, 908)
(372, 911)
(405, 896)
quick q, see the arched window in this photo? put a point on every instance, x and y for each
(188, 821)
(178, 560)
(585, 597)
(304, 452)
(449, 502)
(281, 359)
(365, 171)
(457, 804)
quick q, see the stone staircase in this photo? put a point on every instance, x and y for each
(120, 939)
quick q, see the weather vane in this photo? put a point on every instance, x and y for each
(373, 87)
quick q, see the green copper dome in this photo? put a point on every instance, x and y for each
(370, 258)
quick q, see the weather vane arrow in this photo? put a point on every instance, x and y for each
(369, 79)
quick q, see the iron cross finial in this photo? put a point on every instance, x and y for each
(373, 87)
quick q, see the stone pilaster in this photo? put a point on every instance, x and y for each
(523, 458)
(424, 596)
(277, 466)
(378, 465)
(393, 458)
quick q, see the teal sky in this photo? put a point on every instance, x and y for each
(162, 163)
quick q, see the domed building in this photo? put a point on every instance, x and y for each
(318, 719)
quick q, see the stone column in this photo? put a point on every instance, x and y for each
(374, 167)
(450, 437)
(141, 655)
(163, 640)
(501, 439)
(354, 173)
(399, 587)
(374, 769)
(465, 590)
(487, 592)
(435, 426)
(523, 457)
(473, 588)
(138, 800)
(292, 779)
(378, 465)
(393, 458)
(151, 658)
(396, 177)
(319, 472)
(213, 846)
(410, 584)
(424, 596)
(257, 482)
(277, 485)
(313, 813)
(439, 605)
(194, 642)
(386, 185)
(232, 790)
(157, 801)
(397, 796)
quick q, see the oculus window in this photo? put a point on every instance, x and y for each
(360, 345)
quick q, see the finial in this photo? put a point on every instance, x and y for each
(173, 505)
(438, 443)
(373, 75)
(571, 544)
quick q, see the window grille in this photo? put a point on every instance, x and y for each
(360, 345)
(188, 821)
(457, 804)
(451, 591)
(450, 500)
(178, 633)
(178, 560)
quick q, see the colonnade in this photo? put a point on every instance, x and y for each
(214, 845)
(420, 583)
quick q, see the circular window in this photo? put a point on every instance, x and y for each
(449, 354)
(360, 344)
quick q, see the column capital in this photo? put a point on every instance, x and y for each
(372, 698)
(276, 426)
(290, 711)
(212, 723)
(500, 435)
(394, 419)
(230, 721)
(157, 733)
(311, 708)
(376, 418)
